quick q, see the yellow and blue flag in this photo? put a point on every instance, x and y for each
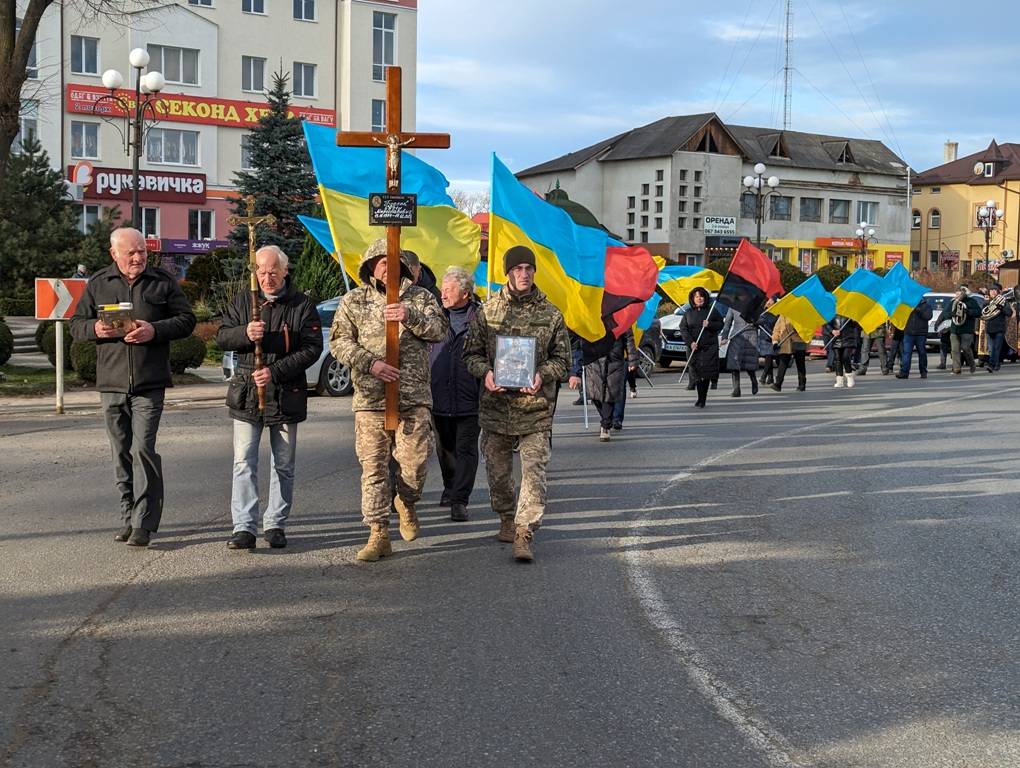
(806, 307)
(646, 317)
(860, 298)
(444, 236)
(678, 281)
(903, 294)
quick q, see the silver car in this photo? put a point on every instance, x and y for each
(326, 375)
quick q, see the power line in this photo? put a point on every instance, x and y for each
(834, 104)
(733, 50)
(750, 49)
(760, 89)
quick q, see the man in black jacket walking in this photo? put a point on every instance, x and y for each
(995, 313)
(290, 331)
(133, 372)
(915, 336)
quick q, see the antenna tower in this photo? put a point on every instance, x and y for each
(787, 71)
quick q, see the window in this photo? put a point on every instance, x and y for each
(697, 191)
(84, 55)
(748, 205)
(934, 219)
(88, 218)
(989, 169)
(697, 206)
(682, 191)
(630, 235)
(178, 65)
(683, 206)
(150, 222)
(206, 3)
(85, 140)
(683, 174)
(200, 225)
(933, 259)
(384, 49)
(697, 175)
(246, 158)
(839, 211)
(644, 189)
(378, 115)
(781, 208)
(644, 237)
(304, 79)
(253, 73)
(253, 6)
(28, 124)
(682, 222)
(915, 259)
(936, 190)
(811, 209)
(658, 222)
(658, 206)
(692, 260)
(171, 146)
(659, 175)
(644, 221)
(630, 217)
(695, 223)
(304, 10)
(658, 190)
(630, 201)
(808, 260)
(644, 205)
(867, 212)
(915, 219)
(32, 65)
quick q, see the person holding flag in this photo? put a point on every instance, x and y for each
(699, 327)
(915, 336)
(791, 347)
(846, 337)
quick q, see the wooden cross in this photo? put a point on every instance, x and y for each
(393, 139)
(251, 221)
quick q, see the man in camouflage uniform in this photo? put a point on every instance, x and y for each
(525, 415)
(358, 339)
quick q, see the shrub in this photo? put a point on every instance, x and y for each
(6, 343)
(40, 330)
(49, 345)
(20, 305)
(665, 308)
(193, 292)
(832, 275)
(201, 310)
(722, 266)
(83, 360)
(790, 275)
(207, 329)
(213, 353)
(186, 353)
(205, 269)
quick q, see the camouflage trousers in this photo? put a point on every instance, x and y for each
(410, 447)
(535, 451)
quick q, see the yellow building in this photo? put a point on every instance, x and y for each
(946, 223)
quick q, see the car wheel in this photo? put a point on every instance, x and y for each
(665, 362)
(334, 378)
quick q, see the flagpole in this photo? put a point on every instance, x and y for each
(649, 359)
(584, 395)
(687, 362)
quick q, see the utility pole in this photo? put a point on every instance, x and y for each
(787, 71)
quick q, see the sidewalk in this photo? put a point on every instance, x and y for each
(87, 400)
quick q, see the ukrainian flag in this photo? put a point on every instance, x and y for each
(646, 318)
(860, 297)
(904, 293)
(347, 176)
(678, 281)
(806, 307)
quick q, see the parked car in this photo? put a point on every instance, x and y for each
(327, 375)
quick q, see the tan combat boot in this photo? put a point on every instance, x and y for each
(506, 529)
(522, 544)
(378, 544)
(409, 527)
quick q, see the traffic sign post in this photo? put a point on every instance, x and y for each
(56, 299)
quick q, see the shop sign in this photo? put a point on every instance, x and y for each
(720, 225)
(191, 246)
(893, 257)
(185, 108)
(159, 186)
(836, 242)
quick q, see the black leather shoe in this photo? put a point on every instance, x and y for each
(124, 534)
(579, 401)
(458, 513)
(901, 375)
(924, 375)
(617, 426)
(775, 388)
(139, 538)
(276, 538)
(241, 540)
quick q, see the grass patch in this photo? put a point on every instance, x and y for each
(23, 381)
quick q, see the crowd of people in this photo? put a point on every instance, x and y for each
(455, 393)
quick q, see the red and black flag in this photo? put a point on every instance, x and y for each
(751, 280)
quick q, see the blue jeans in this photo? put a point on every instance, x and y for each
(995, 350)
(910, 343)
(244, 494)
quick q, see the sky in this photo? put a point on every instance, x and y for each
(534, 79)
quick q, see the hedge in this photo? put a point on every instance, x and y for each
(83, 360)
(186, 353)
(6, 343)
(17, 306)
(49, 345)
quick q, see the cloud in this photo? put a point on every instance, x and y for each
(463, 73)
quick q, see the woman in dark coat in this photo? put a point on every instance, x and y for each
(700, 328)
(846, 335)
(741, 341)
(605, 376)
(766, 323)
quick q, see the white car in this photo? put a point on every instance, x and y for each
(326, 375)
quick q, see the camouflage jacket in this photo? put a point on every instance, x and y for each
(513, 412)
(358, 339)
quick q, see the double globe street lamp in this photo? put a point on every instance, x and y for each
(147, 88)
(988, 216)
(865, 235)
(761, 187)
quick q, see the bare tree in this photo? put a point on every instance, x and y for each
(470, 202)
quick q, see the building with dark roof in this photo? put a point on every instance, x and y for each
(675, 185)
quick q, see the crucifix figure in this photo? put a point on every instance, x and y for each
(394, 140)
(251, 221)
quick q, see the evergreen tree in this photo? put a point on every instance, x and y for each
(38, 225)
(281, 179)
(317, 273)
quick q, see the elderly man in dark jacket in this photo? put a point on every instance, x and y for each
(133, 372)
(290, 332)
(964, 311)
(455, 395)
(915, 336)
(995, 313)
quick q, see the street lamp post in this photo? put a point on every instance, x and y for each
(147, 88)
(865, 235)
(988, 216)
(761, 187)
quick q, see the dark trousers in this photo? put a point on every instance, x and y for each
(605, 410)
(457, 448)
(702, 387)
(910, 343)
(630, 381)
(784, 364)
(132, 422)
(767, 369)
(995, 350)
(844, 361)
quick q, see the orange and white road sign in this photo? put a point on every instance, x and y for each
(56, 298)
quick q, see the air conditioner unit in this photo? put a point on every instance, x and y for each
(1007, 255)
(72, 191)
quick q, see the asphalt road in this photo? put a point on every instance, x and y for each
(817, 579)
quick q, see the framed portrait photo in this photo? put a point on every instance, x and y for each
(514, 367)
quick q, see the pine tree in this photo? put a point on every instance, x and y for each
(38, 225)
(318, 273)
(281, 179)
